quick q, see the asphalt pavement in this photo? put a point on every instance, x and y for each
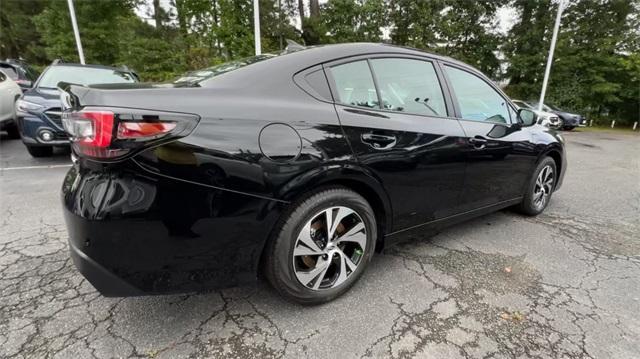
(565, 284)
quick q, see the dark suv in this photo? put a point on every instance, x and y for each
(20, 72)
(38, 110)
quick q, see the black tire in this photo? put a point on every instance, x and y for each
(40, 151)
(528, 205)
(279, 260)
(12, 131)
(569, 128)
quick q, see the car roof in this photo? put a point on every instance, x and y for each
(288, 64)
(71, 64)
(325, 53)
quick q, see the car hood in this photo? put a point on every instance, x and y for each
(566, 114)
(45, 97)
(544, 113)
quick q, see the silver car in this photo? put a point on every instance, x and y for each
(544, 118)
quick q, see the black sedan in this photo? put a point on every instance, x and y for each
(298, 167)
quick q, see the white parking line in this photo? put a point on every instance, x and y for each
(33, 167)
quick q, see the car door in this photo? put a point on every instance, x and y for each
(395, 115)
(9, 91)
(499, 153)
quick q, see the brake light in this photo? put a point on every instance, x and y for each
(143, 130)
(106, 134)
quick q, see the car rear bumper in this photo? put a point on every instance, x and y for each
(133, 234)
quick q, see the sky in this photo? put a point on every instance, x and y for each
(506, 15)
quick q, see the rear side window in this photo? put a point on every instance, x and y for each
(354, 84)
(478, 101)
(408, 85)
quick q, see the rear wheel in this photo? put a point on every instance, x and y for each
(540, 188)
(322, 247)
(40, 151)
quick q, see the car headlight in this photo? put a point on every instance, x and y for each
(23, 107)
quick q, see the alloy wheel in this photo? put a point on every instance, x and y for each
(329, 248)
(543, 187)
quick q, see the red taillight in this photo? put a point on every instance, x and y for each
(104, 134)
(143, 130)
(102, 128)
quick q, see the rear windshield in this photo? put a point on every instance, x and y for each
(10, 71)
(83, 76)
(209, 72)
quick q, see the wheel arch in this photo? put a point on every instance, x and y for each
(350, 176)
(555, 152)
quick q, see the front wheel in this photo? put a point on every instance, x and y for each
(322, 246)
(540, 188)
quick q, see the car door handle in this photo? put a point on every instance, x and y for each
(478, 142)
(379, 142)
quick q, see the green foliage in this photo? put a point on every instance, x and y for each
(353, 21)
(17, 38)
(596, 69)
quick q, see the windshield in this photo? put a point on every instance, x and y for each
(83, 76)
(209, 72)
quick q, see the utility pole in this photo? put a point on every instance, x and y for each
(547, 70)
(76, 33)
(256, 26)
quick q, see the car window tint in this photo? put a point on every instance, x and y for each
(408, 85)
(354, 84)
(477, 100)
(318, 82)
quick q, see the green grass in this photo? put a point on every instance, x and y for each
(617, 129)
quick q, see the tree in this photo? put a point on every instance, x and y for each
(16, 30)
(595, 57)
(466, 31)
(99, 40)
(353, 21)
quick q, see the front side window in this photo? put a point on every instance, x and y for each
(408, 85)
(354, 84)
(478, 101)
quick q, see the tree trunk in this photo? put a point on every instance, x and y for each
(301, 12)
(157, 13)
(314, 8)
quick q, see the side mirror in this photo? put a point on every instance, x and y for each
(528, 117)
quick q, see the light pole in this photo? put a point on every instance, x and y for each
(256, 26)
(547, 70)
(76, 33)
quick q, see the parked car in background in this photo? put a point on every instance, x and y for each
(548, 119)
(299, 166)
(9, 93)
(39, 110)
(196, 76)
(20, 72)
(568, 120)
